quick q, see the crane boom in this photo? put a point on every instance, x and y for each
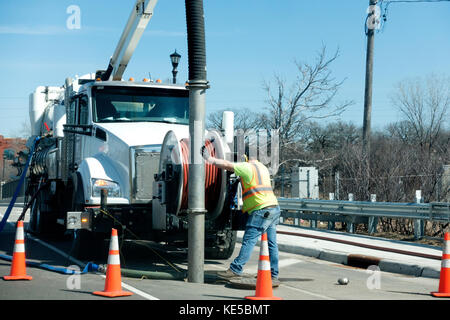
(137, 22)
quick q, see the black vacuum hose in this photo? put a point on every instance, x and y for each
(196, 40)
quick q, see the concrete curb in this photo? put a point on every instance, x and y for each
(360, 261)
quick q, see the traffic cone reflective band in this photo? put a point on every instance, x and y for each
(113, 282)
(18, 266)
(264, 277)
(444, 281)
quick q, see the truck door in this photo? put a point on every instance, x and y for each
(82, 120)
(79, 121)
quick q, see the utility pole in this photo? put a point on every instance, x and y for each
(197, 86)
(371, 23)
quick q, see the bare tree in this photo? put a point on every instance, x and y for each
(23, 131)
(244, 119)
(424, 105)
(310, 96)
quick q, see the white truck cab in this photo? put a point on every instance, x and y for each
(125, 125)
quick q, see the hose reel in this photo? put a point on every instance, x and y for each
(172, 180)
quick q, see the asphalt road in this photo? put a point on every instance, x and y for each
(302, 278)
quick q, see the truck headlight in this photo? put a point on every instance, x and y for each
(99, 184)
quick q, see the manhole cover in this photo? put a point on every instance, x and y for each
(246, 283)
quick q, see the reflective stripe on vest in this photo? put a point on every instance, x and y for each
(254, 190)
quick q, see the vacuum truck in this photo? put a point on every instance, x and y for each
(114, 153)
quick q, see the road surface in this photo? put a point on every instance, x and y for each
(302, 278)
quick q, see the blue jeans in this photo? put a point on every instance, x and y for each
(256, 225)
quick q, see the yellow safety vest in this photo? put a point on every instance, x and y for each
(258, 193)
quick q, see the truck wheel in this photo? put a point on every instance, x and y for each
(223, 245)
(43, 216)
(35, 224)
(87, 245)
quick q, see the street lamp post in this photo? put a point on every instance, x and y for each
(175, 59)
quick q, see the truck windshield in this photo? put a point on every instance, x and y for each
(125, 104)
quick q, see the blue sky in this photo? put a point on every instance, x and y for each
(247, 42)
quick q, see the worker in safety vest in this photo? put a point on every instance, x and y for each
(260, 203)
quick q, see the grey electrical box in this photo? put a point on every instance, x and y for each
(305, 183)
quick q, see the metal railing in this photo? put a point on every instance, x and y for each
(354, 212)
(7, 189)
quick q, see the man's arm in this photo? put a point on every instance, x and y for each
(220, 163)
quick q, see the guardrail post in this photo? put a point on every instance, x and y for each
(418, 229)
(373, 221)
(331, 224)
(350, 225)
(313, 223)
(418, 223)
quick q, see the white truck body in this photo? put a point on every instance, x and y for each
(98, 154)
(112, 159)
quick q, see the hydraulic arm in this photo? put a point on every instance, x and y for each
(137, 22)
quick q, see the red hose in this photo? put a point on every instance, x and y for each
(185, 164)
(213, 180)
(213, 177)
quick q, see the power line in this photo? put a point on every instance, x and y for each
(412, 1)
(384, 6)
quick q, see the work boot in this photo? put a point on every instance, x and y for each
(275, 282)
(228, 274)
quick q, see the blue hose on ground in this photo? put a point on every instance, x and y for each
(90, 266)
(19, 186)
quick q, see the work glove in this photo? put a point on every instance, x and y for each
(205, 153)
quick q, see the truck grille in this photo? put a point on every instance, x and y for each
(146, 165)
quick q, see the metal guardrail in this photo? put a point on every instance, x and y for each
(435, 211)
(7, 189)
(353, 212)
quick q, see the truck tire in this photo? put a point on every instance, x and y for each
(43, 216)
(223, 246)
(87, 245)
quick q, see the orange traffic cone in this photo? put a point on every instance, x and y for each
(113, 283)
(264, 277)
(18, 266)
(444, 281)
